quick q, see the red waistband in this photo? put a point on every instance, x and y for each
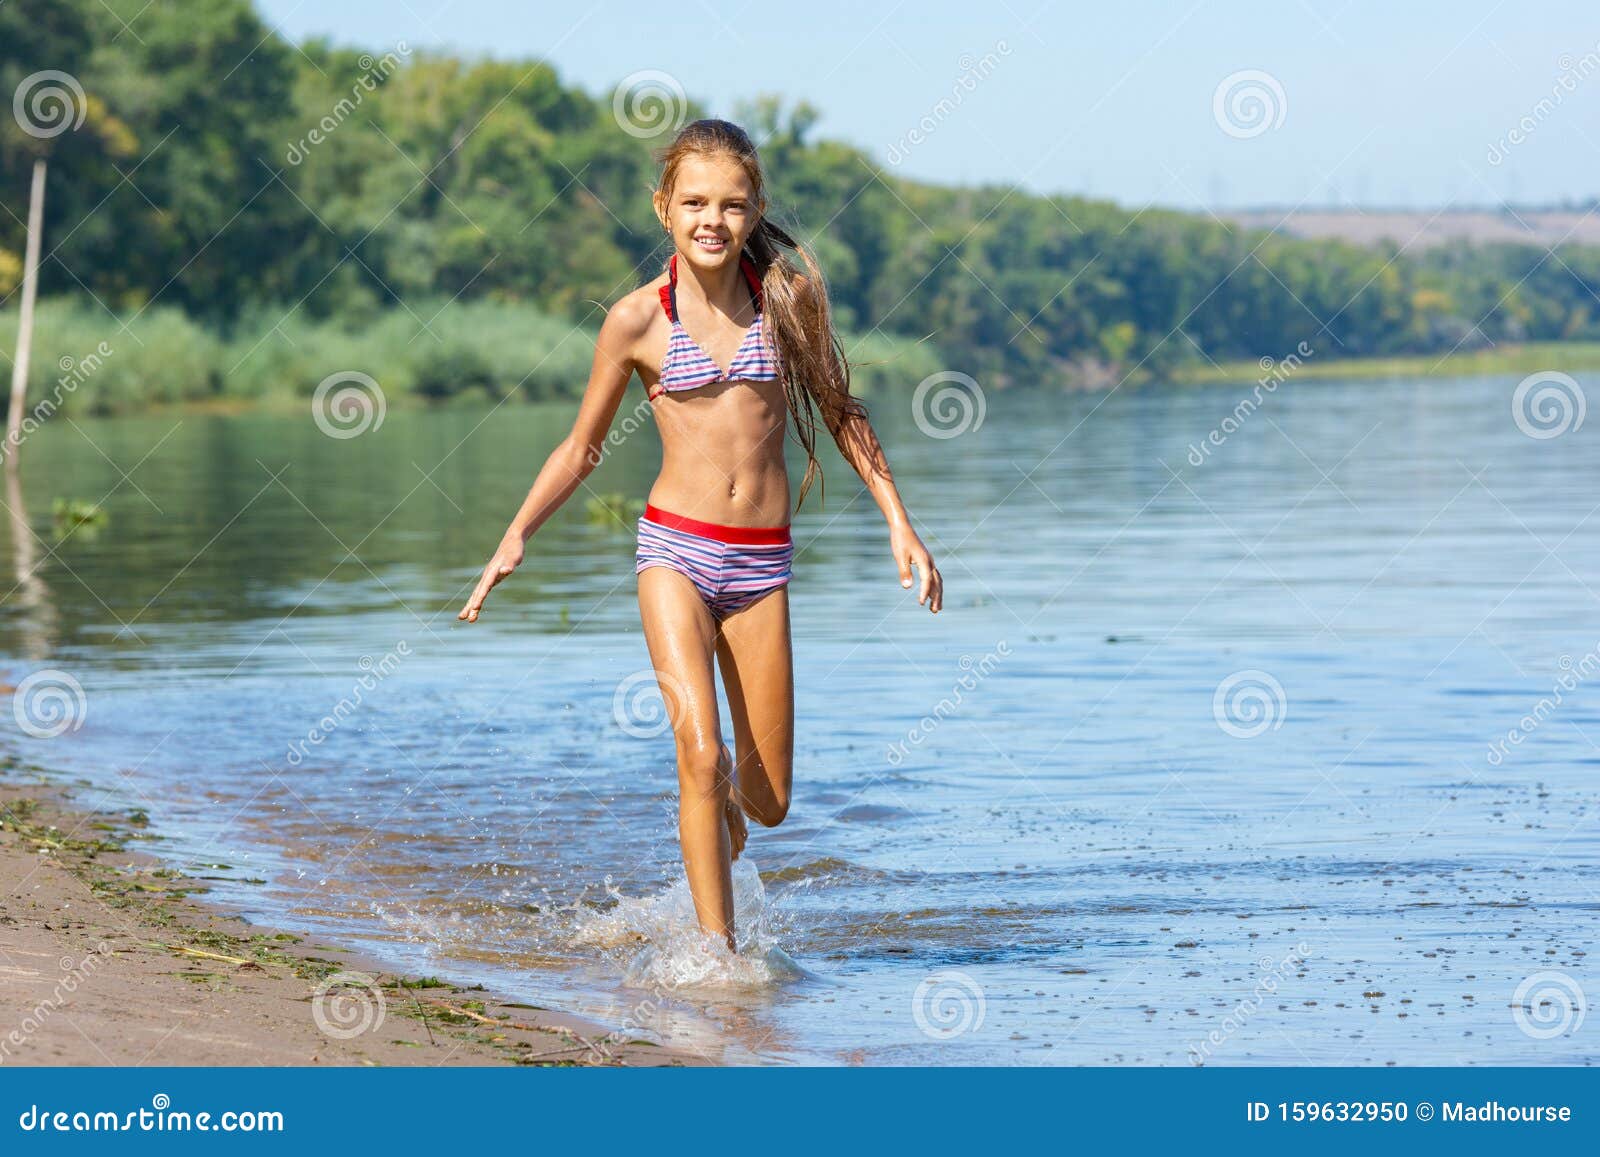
(747, 535)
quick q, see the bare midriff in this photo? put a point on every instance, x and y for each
(722, 454)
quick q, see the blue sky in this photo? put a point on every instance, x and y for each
(1385, 104)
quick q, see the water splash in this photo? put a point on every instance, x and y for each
(658, 943)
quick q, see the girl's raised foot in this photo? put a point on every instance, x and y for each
(738, 830)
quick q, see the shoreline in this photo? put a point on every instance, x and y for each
(1526, 358)
(1529, 358)
(109, 957)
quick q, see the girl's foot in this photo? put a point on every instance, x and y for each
(738, 830)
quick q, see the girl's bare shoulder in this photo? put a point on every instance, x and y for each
(630, 321)
(636, 311)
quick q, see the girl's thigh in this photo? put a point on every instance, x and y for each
(755, 654)
(680, 634)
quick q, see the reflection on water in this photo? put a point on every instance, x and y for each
(1199, 759)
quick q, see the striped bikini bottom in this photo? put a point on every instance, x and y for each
(731, 566)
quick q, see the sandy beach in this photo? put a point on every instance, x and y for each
(109, 958)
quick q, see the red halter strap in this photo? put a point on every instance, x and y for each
(669, 292)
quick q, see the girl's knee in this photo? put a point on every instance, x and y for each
(770, 813)
(764, 790)
(703, 773)
(761, 802)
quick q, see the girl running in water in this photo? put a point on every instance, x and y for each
(714, 545)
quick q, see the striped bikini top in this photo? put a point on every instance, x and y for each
(688, 367)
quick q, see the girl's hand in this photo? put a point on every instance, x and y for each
(908, 551)
(506, 559)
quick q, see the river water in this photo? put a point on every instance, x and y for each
(1209, 756)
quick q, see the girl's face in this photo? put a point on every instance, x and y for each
(712, 212)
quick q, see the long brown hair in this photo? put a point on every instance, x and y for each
(816, 373)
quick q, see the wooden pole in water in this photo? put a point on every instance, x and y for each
(30, 285)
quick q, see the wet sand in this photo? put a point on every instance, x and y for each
(109, 958)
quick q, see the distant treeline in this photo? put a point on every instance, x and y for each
(228, 175)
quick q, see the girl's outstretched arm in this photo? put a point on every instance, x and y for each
(575, 458)
(858, 443)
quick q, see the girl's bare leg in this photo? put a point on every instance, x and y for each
(738, 830)
(757, 662)
(680, 633)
